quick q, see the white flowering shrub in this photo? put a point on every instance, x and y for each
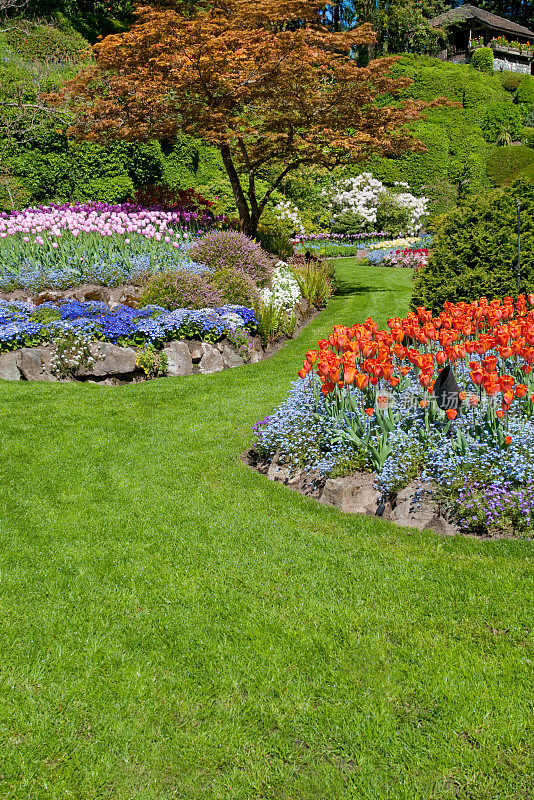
(364, 203)
(289, 216)
(285, 289)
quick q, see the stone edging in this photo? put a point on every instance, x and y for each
(115, 365)
(355, 494)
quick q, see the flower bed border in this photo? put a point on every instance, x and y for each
(347, 492)
(116, 365)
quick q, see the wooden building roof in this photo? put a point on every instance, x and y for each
(468, 12)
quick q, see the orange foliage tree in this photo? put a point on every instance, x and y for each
(262, 80)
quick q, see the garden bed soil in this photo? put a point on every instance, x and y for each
(355, 494)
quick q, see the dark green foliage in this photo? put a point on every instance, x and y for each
(454, 165)
(528, 137)
(525, 91)
(474, 251)
(506, 163)
(482, 59)
(501, 118)
(274, 242)
(59, 169)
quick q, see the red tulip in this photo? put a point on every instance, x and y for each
(451, 413)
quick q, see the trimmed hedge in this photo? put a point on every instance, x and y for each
(506, 164)
(525, 91)
(482, 59)
(474, 251)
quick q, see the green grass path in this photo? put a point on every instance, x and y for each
(173, 625)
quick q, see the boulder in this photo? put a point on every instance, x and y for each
(91, 291)
(353, 494)
(47, 296)
(257, 352)
(276, 472)
(18, 294)
(196, 350)
(212, 360)
(414, 508)
(128, 294)
(9, 366)
(110, 360)
(35, 364)
(304, 307)
(231, 358)
(179, 361)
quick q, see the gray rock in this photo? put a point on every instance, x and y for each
(35, 364)
(179, 359)
(9, 366)
(196, 351)
(304, 307)
(110, 360)
(231, 358)
(257, 352)
(212, 360)
(276, 472)
(353, 494)
(414, 508)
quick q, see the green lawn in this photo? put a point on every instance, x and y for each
(174, 625)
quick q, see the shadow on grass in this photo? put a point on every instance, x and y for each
(347, 289)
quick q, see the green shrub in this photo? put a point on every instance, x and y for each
(506, 163)
(474, 251)
(499, 118)
(46, 42)
(235, 287)
(315, 282)
(482, 59)
(528, 137)
(525, 91)
(229, 249)
(510, 80)
(275, 242)
(180, 289)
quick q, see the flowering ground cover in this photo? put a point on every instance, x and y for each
(59, 246)
(23, 324)
(367, 399)
(175, 625)
(409, 257)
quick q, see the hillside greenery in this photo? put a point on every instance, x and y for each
(463, 142)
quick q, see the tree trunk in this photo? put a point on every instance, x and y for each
(240, 199)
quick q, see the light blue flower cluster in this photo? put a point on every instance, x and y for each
(304, 436)
(108, 262)
(23, 324)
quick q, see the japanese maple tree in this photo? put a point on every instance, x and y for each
(262, 80)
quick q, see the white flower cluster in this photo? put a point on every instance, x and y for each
(358, 195)
(285, 290)
(362, 196)
(285, 211)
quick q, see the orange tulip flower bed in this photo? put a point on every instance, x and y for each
(447, 399)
